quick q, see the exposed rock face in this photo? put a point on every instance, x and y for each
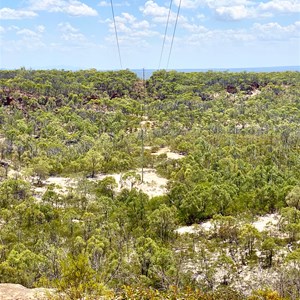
(231, 89)
(8, 101)
(10, 291)
(254, 85)
(4, 164)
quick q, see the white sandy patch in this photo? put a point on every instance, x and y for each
(255, 93)
(153, 184)
(195, 228)
(170, 154)
(63, 182)
(266, 222)
(207, 225)
(13, 174)
(62, 186)
(186, 229)
(116, 176)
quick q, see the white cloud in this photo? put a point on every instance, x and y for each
(188, 3)
(40, 28)
(274, 31)
(204, 36)
(49, 5)
(142, 25)
(13, 27)
(281, 6)
(27, 33)
(11, 14)
(194, 28)
(67, 27)
(28, 40)
(2, 30)
(153, 9)
(70, 33)
(127, 17)
(107, 3)
(73, 37)
(234, 13)
(128, 23)
(271, 32)
(104, 4)
(192, 4)
(71, 7)
(77, 8)
(159, 13)
(201, 17)
(130, 30)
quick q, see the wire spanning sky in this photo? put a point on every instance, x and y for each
(210, 34)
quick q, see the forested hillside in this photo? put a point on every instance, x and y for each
(103, 176)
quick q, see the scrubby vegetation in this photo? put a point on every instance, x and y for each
(237, 137)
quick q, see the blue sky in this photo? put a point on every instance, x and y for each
(210, 34)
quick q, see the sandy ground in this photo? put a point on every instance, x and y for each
(262, 223)
(153, 184)
(64, 182)
(187, 229)
(266, 222)
(247, 277)
(255, 93)
(13, 174)
(170, 154)
(62, 186)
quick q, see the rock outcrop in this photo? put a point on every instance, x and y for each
(10, 291)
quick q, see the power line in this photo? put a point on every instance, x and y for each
(142, 129)
(116, 32)
(178, 11)
(166, 30)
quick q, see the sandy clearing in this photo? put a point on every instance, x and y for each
(153, 184)
(266, 222)
(62, 186)
(255, 93)
(207, 225)
(63, 182)
(195, 228)
(187, 229)
(170, 154)
(13, 174)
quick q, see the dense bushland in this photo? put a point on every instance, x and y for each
(240, 135)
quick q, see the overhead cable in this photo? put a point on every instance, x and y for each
(166, 30)
(116, 32)
(178, 11)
